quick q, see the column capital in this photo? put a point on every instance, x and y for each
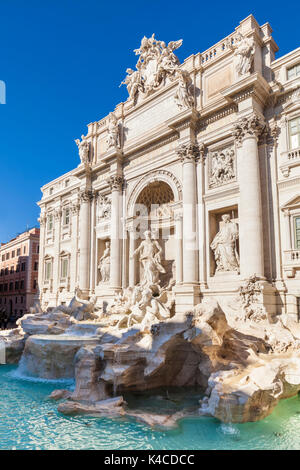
(248, 126)
(115, 182)
(42, 219)
(188, 152)
(86, 195)
(75, 208)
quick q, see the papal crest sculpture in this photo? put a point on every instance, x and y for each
(157, 63)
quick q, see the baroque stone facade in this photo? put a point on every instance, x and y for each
(206, 156)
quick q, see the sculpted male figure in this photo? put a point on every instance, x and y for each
(224, 246)
(150, 259)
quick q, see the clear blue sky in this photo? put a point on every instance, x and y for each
(62, 62)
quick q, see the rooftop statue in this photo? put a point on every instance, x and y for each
(113, 135)
(244, 53)
(83, 148)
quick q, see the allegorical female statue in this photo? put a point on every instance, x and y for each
(224, 246)
(150, 259)
(104, 263)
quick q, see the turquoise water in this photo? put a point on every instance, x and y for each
(28, 420)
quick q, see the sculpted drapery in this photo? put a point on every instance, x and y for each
(224, 246)
(150, 259)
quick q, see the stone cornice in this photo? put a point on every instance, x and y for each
(254, 85)
(149, 144)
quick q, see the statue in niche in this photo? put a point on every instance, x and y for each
(83, 148)
(112, 139)
(184, 94)
(104, 264)
(224, 246)
(243, 54)
(222, 168)
(150, 259)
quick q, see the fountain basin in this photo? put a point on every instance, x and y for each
(52, 357)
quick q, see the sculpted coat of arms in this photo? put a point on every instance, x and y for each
(156, 64)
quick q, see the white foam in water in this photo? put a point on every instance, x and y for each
(21, 374)
(229, 428)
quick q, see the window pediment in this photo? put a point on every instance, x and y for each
(291, 204)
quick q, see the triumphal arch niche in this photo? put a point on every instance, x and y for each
(153, 207)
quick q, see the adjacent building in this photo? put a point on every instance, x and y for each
(205, 154)
(19, 260)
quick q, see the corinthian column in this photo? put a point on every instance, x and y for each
(85, 213)
(247, 131)
(188, 154)
(115, 183)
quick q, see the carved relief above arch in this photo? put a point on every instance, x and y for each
(154, 176)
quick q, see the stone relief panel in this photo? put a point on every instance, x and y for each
(103, 208)
(222, 167)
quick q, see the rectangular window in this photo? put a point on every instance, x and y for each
(50, 222)
(36, 265)
(66, 217)
(22, 284)
(293, 72)
(18, 251)
(48, 268)
(64, 268)
(294, 132)
(297, 232)
(34, 283)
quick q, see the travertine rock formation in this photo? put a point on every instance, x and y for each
(12, 344)
(243, 364)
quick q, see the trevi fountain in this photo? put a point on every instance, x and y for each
(168, 311)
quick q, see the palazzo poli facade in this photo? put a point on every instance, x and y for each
(206, 156)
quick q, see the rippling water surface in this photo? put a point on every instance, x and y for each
(28, 420)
